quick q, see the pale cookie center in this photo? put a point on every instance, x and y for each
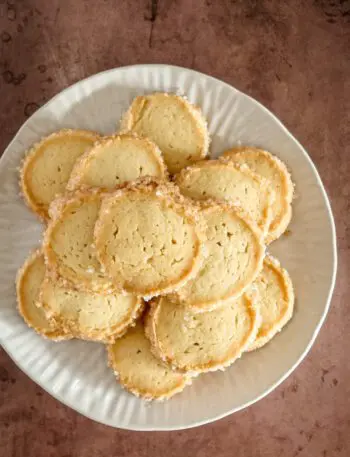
(87, 311)
(232, 258)
(117, 163)
(193, 339)
(51, 170)
(173, 129)
(227, 184)
(272, 300)
(72, 239)
(145, 241)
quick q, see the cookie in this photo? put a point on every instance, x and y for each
(237, 184)
(69, 243)
(234, 258)
(139, 371)
(48, 165)
(273, 169)
(87, 315)
(148, 238)
(199, 342)
(275, 302)
(174, 124)
(29, 280)
(115, 160)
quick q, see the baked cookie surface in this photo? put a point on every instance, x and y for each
(114, 160)
(237, 184)
(272, 168)
(29, 281)
(200, 342)
(234, 258)
(148, 238)
(275, 300)
(139, 371)
(174, 124)
(87, 315)
(69, 243)
(48, 165)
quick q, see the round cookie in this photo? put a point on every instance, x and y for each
(176, 126)
(237, 184)
(87, 315)
(148, 238)
(270, 167)
(275, 301)
(139, 371)
(69, 242)
(200, 342)
(234, 258)
(48, 165)
(29, 280)
(115, 160)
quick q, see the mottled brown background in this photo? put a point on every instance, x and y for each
(293, 56)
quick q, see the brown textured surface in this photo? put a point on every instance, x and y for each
(294, 57)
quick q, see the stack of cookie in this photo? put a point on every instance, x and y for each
(153, 249)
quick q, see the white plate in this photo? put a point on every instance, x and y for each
(76, 372)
